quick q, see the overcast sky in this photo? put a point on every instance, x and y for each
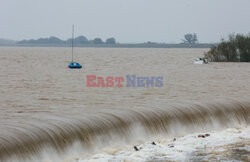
(126, 20)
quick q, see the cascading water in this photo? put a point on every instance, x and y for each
(23, 139)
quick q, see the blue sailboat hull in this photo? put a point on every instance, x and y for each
(74, 65)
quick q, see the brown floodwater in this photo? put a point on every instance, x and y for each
(43, 103)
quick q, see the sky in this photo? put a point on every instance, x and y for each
(129, 21)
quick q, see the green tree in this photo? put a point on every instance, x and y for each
(81, 40)
(190, 38)
(236, 48)
(98, 41)
(111, 41)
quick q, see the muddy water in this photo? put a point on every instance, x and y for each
(43, 103)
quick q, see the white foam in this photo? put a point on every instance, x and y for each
(184, 148)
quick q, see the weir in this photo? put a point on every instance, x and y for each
(23, 139)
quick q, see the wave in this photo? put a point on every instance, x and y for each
(93, 129)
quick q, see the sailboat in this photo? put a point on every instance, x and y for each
(72, 64)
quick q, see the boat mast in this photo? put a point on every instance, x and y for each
(72, 41)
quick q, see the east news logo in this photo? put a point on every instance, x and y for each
(131, 81)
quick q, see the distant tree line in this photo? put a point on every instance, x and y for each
(235, 49)
(189, 41)
(78, 40)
